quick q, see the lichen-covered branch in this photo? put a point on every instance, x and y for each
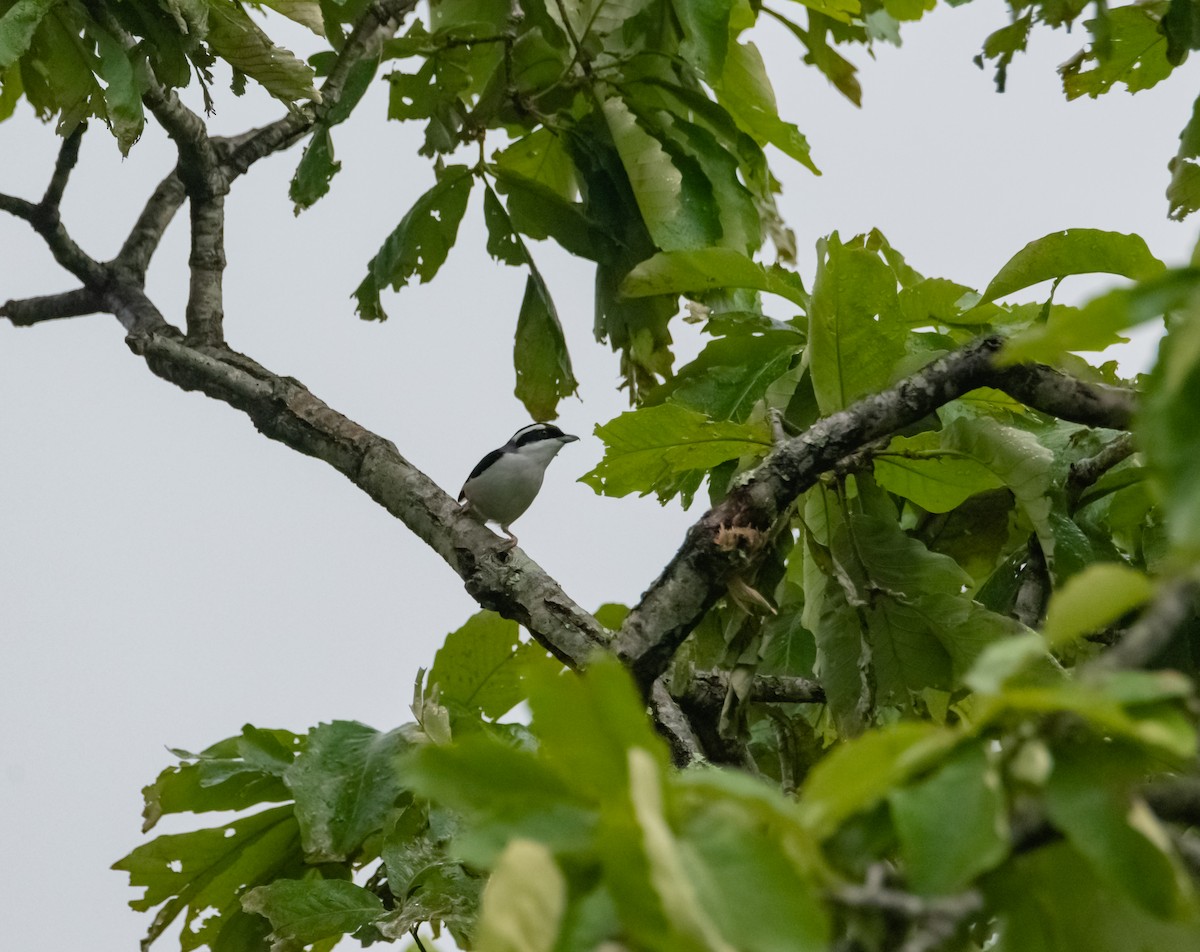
(29, 311)
(151, 225)
(698, 573)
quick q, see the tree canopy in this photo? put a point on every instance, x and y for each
(923, 674)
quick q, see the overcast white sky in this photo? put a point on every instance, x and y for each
(167, 574)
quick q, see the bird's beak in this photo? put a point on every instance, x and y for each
(568, 438)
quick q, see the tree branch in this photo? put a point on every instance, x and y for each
(51, 307)
(151, 225)
(707, 689)
(673, 724)
(68, 155)
(697, 575)
(282, 409)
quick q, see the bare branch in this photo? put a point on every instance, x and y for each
(68, 155)
(147, 231)
(205, 311)
(51, 307)
(698, 574)
(18, 207)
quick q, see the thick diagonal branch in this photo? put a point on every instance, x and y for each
(283, 409)
(699, 572)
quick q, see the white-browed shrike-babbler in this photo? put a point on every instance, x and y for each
(507, 480)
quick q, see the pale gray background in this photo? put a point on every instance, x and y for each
(166, 574)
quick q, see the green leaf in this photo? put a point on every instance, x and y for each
(706, 33)
(541, 158)
(346, 783)
(1016, 458)
(1181, 26)
(1096, 597)
(502, 242)
(1133, 52)
(238, 40)
(1167, 431)
(230, 775)
(666, 450)
(317, 167)
(708, 269)
(540, 357)
(937, 480)
(17, 25)
(303, 911)
(657, 183)
(748, 884)
(1183, 192)
(420, 243)
(481, 665)
(732, 374)
(524, 901)
(503, 793)
(305, 12)
(855, 336)
(587, 725)
(1099, 323)
(745, 91)
(122, 92)
(1123, 840)
(540, 212)
(966, 796)
(860, 773)
(1074, 251)
(205, 870)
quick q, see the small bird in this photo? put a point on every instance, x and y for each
(505, 482)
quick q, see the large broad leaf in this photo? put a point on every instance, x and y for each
(965, 796)
(1183, 192)
(1133, 52)
(862, 772)
(316, 169)
(232, 774)
(1096, 597)
(1074, 251)
(237, 39)
(745, 91)
(1099, 323)
(667, 449)
(1087, 799)
(706, 33)
(420, 243)
(346, 784)
(481, 665)
(1166, 426)
(524, 901)
(936, 479)
(122, 91)
(543, 366)
(303, 911)
(203, 873)
(586, 725)
(659, 185)
(1050, 900)
(709, 269)
(17, 25)
(732, 374)
(855, 335)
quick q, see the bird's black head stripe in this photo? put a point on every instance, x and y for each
(535, 433)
